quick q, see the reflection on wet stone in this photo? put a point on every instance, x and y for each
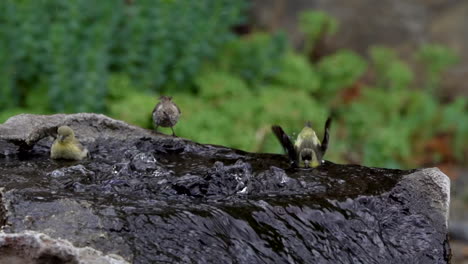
(143, 162)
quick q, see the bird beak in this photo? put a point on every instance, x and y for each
(60, 137)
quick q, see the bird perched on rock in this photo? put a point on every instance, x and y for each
(166, 113)
(66, 146)
(307, 150)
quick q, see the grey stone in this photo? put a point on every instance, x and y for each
(27, 129)
(35, 248)
(434, 188)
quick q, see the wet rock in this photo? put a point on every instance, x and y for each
(152, 198)
(144, 162)
(190, 185)
(78, 170)
(275, 179)
(228, 180)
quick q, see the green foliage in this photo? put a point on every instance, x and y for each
(214, 85)
(391, 72)
(120, 85)
(315, 25)
(136, 108)
(388, 129)
(164, 43)
(255, 58)
(297, 73)
(49, 48)
(71, 47)
(338, 71)
(37, 99)
(381, 126)
(436, 59)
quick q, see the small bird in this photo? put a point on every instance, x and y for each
(66, 146)
(307, 150)
(166, 113)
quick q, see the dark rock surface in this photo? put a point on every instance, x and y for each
(152, 198)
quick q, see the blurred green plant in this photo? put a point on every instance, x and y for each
(339, 71)
(217, 85)
(71, 47)
(397, 123)
(316, 25)
(436, 59)
(394, 129)
(164, 43)
(255, 58)
(391, 72)
(297, 73)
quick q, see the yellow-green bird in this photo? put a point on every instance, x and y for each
(66, 146)
(307, 150)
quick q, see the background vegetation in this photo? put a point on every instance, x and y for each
(116, 57)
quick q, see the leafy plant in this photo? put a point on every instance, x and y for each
(297, 73)
(135, 109)
(436, 59)
(255, 58)
(339, 71)
(391, 72)
(315, 25)
(71, 47)
(216, 85)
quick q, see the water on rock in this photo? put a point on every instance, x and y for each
(159, 200)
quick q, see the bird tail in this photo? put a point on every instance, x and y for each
(285, 141)
(326, 136)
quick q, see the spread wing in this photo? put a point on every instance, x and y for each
(326, 136)
(285, 141)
